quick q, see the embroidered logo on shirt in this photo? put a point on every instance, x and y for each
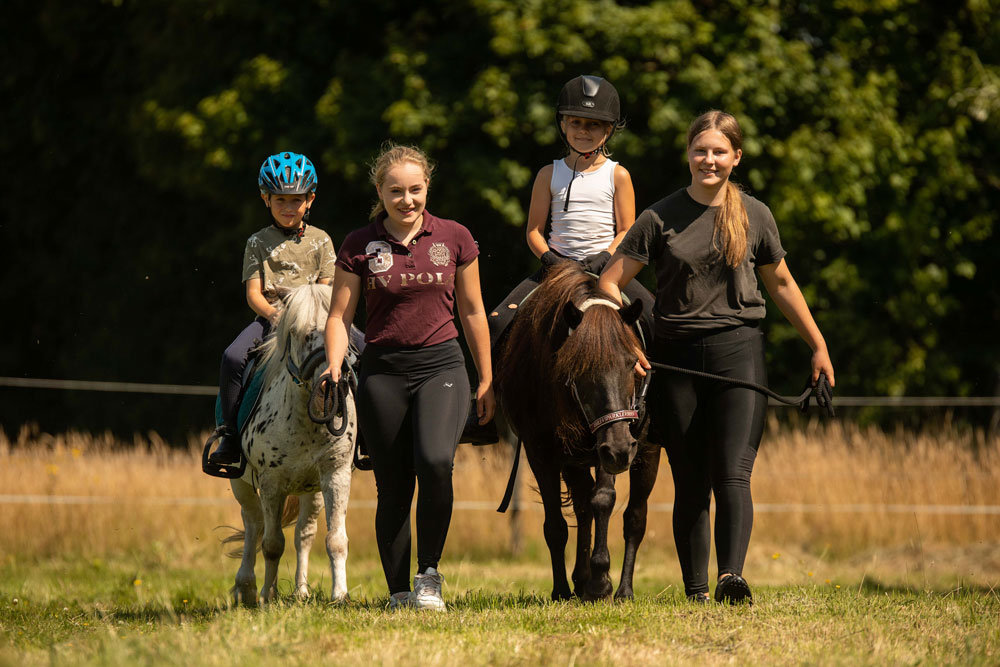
(439, 254)
(382, 260)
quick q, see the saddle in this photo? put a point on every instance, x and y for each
(252, 386)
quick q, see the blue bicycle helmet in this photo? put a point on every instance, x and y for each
(287, 174)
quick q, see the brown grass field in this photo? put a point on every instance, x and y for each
(832, 500)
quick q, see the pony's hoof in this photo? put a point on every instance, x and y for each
(624, 595)
(561, 595)
(245, 597)
(597, 590)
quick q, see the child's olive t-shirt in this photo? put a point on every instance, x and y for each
(696, 291)
(288, 261)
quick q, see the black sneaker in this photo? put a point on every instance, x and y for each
(734, 589)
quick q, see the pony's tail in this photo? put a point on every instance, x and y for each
(289, 515)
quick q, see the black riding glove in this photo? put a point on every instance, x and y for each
(549, 258)
(595, 263)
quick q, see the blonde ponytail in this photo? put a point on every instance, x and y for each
(731, 221)
(732, 224)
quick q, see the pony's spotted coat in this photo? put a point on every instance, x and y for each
(289, 454)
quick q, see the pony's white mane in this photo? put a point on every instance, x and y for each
(306, 308)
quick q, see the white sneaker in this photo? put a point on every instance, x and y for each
(401, 600)
(427, 590)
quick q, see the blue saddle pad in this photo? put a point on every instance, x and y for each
(247, 404)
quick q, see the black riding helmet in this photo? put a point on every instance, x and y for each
(588, 96)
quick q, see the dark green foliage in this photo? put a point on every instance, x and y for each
(133, 132)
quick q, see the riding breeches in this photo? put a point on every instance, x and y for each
(412, 407)
(711, 431)
(234, 361)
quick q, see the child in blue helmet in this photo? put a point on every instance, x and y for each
(287, 253)
(586, 197)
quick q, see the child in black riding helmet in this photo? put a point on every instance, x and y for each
(587, 197)
(287, 253)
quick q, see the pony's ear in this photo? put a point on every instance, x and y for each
(631, 313)
(282, 292)
(572, 315)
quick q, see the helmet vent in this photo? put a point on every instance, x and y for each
(591, 85)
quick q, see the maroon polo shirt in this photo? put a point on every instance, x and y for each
(409, 290)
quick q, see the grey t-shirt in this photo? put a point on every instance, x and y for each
(696, 291)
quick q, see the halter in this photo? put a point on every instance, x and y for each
(312, 360)
(632, 413)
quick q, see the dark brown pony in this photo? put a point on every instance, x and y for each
(568, 362)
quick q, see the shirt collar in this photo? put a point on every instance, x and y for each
(429, 222)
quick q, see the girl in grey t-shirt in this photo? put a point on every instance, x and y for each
(709, 242)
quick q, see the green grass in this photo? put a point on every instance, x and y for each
(144, 609)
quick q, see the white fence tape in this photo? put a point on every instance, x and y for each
(482, 505)
(212, 390)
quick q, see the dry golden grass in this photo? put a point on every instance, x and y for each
(143, 496)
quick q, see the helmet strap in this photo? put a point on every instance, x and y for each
(585, 156)
(569, 188)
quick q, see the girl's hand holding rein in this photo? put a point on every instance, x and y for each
(343, 303)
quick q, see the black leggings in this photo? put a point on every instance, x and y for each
(711, 431)
(412, 406)
(234, 362)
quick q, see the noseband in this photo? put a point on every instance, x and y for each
(631, 414)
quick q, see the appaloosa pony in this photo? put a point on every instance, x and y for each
(566, 384)
(289, 453)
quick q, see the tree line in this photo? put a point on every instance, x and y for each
(134, 131)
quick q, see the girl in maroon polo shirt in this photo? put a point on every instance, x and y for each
(413, 270)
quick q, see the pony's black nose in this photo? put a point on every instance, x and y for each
(617, 459)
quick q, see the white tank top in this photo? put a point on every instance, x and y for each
(588, 226)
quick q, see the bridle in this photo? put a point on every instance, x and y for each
(308, 366)
(631, 414)
(636, 412)
(331, 396)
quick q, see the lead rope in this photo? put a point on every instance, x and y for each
(823, 390)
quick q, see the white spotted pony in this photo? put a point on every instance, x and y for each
(289, 454)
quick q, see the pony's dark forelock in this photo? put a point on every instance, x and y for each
(596, 344)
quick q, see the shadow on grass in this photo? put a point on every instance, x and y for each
(875, 586)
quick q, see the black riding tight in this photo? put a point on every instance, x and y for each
(234, 361)
(412, 406)
(711, 431)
